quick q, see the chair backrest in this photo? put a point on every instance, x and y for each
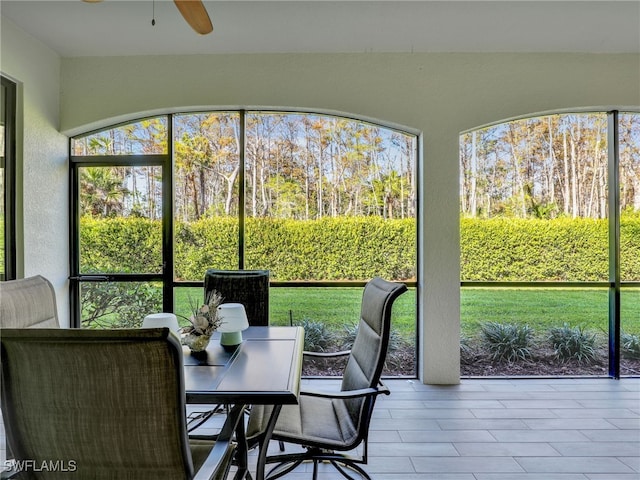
(28, 303)
(100, 403)
(369, 350)
(248, 287)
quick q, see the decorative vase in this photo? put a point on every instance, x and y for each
(197, 343)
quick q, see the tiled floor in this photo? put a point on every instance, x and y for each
(486, 429)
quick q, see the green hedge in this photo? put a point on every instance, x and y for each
(351, 248)
(325, 249)
(508, 249)
(120, 245)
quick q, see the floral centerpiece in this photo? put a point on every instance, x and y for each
(204, 320)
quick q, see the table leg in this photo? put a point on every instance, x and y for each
(242, 451)
(264, 442)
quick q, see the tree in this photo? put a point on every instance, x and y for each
(101, 192)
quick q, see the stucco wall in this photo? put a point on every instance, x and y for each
(42, 168)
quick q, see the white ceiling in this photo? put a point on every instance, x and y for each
(123, 27)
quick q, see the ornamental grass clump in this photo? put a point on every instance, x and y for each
(467, 353)
(573, 343)
(507, 341)
(630, 346)
(317, 337)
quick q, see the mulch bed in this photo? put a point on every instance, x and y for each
(401, 363)
(544, 364)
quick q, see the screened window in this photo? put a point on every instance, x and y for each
(541, 263)
(323, 202)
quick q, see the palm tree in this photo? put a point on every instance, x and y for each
(101, 192)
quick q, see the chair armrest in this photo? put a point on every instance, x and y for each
(343, 353)
(222, 451)
(363, 392)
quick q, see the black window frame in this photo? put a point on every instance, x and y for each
(8, 164)
(615, 284)
(166, 161)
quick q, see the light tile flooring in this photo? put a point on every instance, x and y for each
(493, 429)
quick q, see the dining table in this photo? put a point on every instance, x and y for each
(264, 369)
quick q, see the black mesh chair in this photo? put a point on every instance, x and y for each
(248, 287)
(330, 424)
(103, 404)
(251, 289)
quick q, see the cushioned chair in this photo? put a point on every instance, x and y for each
(103, 404)
(248, 287)
(251, 289)
(28, 303)
(330, 424)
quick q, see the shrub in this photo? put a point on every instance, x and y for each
(118, 304)
(317, 337)
(343, 248)
(630, 346)
(467, 353)
(508, 342)
(573, 343)
(349, 336)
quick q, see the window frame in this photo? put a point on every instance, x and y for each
(8, 164)
(167, 162)
(614, 284)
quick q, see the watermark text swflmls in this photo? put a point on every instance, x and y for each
(42, 466)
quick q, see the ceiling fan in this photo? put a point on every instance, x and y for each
(193, 12)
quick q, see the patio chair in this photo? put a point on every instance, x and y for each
(28, 303)
(248, 287)
(251, 289)
(103, 404)
(328, 425)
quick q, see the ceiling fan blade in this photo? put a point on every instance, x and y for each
(195, 14)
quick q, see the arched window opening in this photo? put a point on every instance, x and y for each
(321, 201)
(549, 250)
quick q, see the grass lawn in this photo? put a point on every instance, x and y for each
(545, 308)
(539, 308)
(337, 307)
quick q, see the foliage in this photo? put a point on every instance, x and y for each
(118, 305)
(508, 249)
(349, 332)
(573, 343)
(543, 167)
(563, 249)
(360, 247)
(467, 352)
(317, 337)
(630, 345)
(326, 249)
(508, 341)
(120, 245)
(297, 165)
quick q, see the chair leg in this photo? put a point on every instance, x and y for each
(343, 466)
(282, 469)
